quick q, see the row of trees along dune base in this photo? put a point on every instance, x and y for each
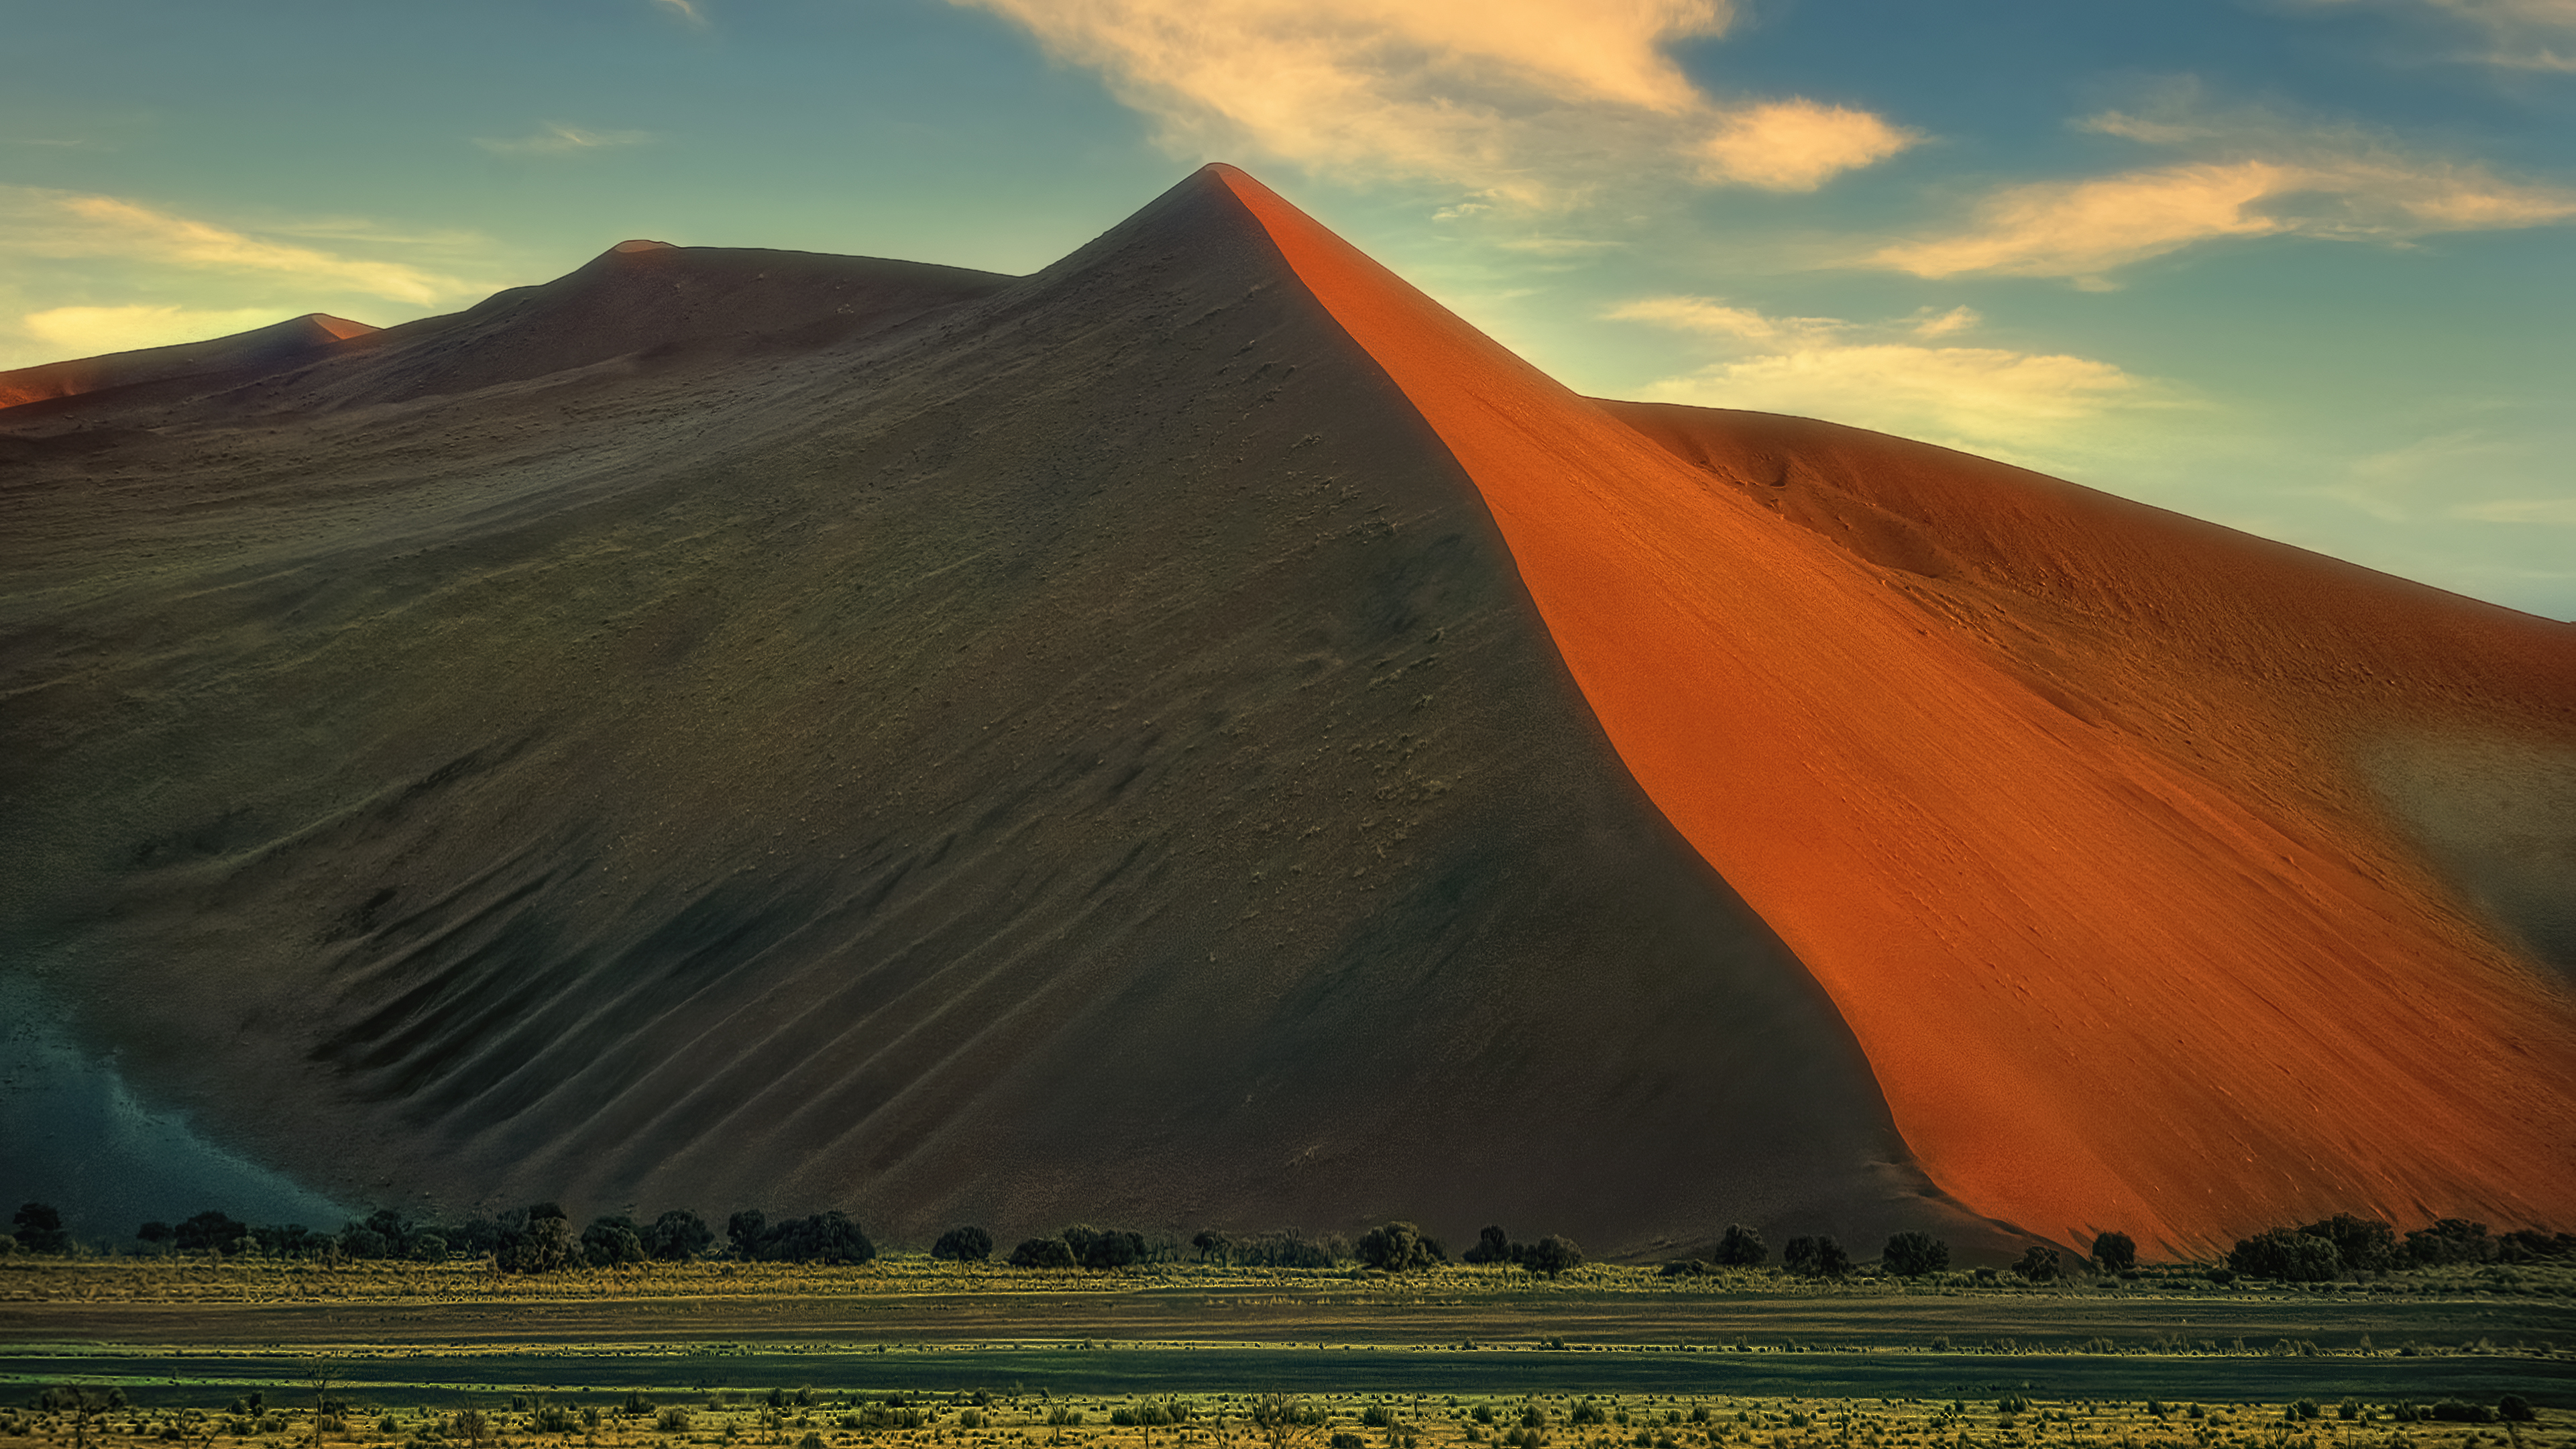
(542, 1239)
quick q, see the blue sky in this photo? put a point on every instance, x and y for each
(2306, 267)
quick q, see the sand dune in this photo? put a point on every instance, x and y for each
(279, 344)
(1075, 748)
(2062, 798)
(1200, 736)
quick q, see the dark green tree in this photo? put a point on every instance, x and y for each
(677, 1236)
(2364, 1245)
(40, 1229)
(1551, 1255)
(2040, 1264)
(1742, 1247)
(2286, 1254)
(1911, 1255)
(2115, 1252)
(963, 1245)
(1042, 1253)
(1400, 1248)
(612, 1242)
(1816, 1257)
(1491, 1247)
(744, 1232)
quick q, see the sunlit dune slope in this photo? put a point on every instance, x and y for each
(730, 728)
(2065, 801)
(279, 344)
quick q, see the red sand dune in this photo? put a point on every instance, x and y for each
(2074, 836)
(293, 340)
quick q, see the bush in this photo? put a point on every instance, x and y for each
(963, 1245)
(1911, 1255)
(1400, 1248)
(2365, 1245)
(1552, 1255)
(2283, 1253)
(1816, 1257)
(613, 1242)
(2455, 1411)
(1741, 1247)
(1102, 1249)
(677, 1236)
(2515, 1409)
(673, 1420)
(2451, 1240)
(2039, 1264)
(1042, 1253)
(2115, 1253)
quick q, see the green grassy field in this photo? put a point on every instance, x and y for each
(178, 1336)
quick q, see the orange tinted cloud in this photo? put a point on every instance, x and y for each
(1528, 101)
(2260, 177)
(59, 224)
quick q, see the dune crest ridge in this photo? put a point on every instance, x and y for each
(2110, 974)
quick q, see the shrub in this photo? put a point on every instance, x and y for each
(1586, 1413)
(2115, 1252)
(2300, 1411)
(1400, 1248)
(1911, 1255)
(2365, 1245)
(1346, 1440)
(1377, 1416)
(2456, 1411)
(613, 1242)
(1103, 1249)
(2285, 1254)
(2451, 1240)
(677, 1236)
(1742, 1247)
(2515, 1409)
(1042, 1253)
(428, 1248)
(2039, 1264)
(1552, 1255)
(963, 1245)
(1816, 1257)
(673, 1420)
(1061, 1416)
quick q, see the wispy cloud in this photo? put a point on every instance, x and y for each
(1989, 398)
(90, 331)
(2560, 511)
(41, 223)
(1798, 145)
(1533, 103)
(560, 140)
(2525, 35)
(2253, 175)
(685, 9)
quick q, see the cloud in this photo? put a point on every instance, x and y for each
(2528, 35)
(685, 9)
(40, 223)
(1798, 145)
(1988, 398)
(1527, 102)
(2257, 176)
(2520, 510)
(558, 140)
(90, 331)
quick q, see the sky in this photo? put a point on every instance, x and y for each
(2303, 267)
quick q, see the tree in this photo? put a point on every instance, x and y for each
(743, 1232)
(545, 1245)
(1400, 1248)
(2364, 1245)
(210, 1232)
(677, 1236)
(1042, 1253)
(1552, 1255)
(1103, 1249)
(2286, 1254)
(1491, 1247)
(1816, 1257)
(2115, 1252)
(963, 1245)
(2451, 1240)
(613, 1242)
(2040, 1264)
(1742, 1247)
(40, 1229)
(1213, 1246)
(320, 1375)
(154, 1233)
(1911, 1255)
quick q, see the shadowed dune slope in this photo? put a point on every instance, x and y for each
(1065, 746)
(282, 343)
(2067, 802)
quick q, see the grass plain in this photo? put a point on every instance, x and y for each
(2162, 1361)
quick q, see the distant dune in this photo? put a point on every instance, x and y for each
(1200, 736)
(292, 340)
